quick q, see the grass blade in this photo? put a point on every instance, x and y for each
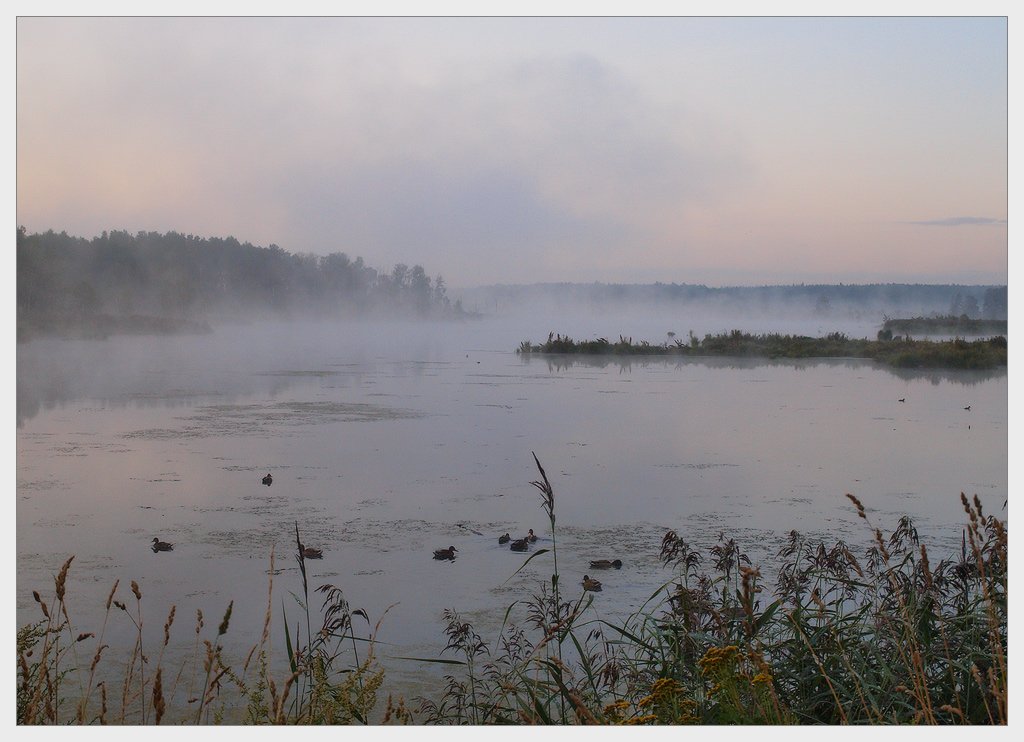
(533, 556)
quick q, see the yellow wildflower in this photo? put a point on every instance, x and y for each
(614, 711)
(716, 657)
(761, 678)
(647, 719)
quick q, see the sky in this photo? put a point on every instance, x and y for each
(722, 151)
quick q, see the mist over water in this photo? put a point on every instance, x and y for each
(388, 439)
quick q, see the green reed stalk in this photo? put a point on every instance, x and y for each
(548, 503)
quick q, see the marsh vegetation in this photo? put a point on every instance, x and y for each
(949, 324)
(896, 352)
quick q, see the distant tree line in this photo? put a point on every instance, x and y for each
(820, 300)
(65, 281)
(993, 304)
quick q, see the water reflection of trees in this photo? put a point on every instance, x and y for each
(625, 364)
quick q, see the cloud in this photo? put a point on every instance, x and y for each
(503, 167)
(405, 208)
(959, 221)
(551, 159)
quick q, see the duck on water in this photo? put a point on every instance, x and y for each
(448, 553)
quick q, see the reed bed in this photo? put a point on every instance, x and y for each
(949, 324)
(328, 679)
(884, 636)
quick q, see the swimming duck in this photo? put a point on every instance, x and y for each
(268, 480)
(605, 564)
(308, 552)
(504, 539)
(159, 545)
(448, 553)
(591, 584)
(531, 536)
(520, 544)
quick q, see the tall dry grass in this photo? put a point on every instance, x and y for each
(328, 679)
(881, 638)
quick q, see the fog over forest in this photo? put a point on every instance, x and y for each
(151, 283)
(175, 282)
(862, 302)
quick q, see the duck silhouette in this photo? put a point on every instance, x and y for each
(308, 552)
(268, 480)
(448, 553)
(520, 544)
(606, 564)
(504, 539)
(159, 545)
(531, 536)
(589, 583)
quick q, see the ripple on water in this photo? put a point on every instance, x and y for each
(41, 485)
(266, 419)
(699, 466)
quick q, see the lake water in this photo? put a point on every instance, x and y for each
(388, 440)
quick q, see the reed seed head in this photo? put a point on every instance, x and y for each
(158, 695)
(96, 658)
(208, 660)
(925, 568)
(62, 578)
(881, 544)
(969, 510)
(167, 626)
(546, 492)
(952, 710)
(112, 591)
(223, 628)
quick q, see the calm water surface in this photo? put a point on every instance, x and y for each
(389, 440)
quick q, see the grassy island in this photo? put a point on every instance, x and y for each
(899, 353)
